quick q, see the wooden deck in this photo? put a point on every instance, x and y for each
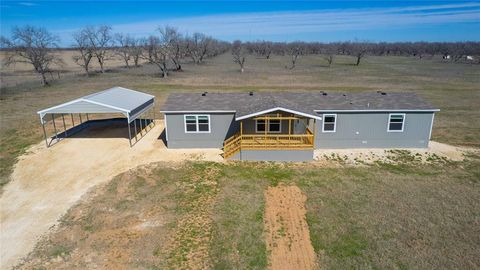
(267, 142)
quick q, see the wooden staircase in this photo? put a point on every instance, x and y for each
(232, 145)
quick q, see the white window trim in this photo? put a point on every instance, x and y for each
(196, 122)
(334, 123)
(267, 127)
(403, 122)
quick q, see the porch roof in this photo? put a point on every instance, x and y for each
(309, 104)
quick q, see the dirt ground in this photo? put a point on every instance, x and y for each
(287, 233)
(46, 182)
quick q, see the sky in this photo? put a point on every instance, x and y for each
(323, 21)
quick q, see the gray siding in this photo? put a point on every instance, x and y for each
(275, 155)
(369, 130)
(222, 126)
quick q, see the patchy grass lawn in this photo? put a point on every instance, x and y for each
(208, 215)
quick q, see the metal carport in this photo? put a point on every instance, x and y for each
(132, 104)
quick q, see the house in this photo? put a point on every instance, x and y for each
(288, 126)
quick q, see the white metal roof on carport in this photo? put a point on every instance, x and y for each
(129, 102)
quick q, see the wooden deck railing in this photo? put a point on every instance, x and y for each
(267, 142)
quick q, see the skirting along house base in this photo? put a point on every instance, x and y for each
(288, 126)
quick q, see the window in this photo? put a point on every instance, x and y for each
(260, 126)
(329, 123)
(197, 123)
(274, 126)
(395, 122)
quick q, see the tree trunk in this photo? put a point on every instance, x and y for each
(358, 60)
(101, 66)
(44, 79)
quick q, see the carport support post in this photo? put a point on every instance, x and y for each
(54, 126)
(141, 129)
(44, 133)
(154, 114)
(135, 126)
(64, 126)
(129, 134)
(80, 115)
(87, 116)
(73, 122)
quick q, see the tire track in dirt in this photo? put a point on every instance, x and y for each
(287, 233)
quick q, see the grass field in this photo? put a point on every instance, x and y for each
(403, 216)
(379, 216)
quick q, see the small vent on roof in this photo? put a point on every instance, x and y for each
(251, 93)
(324, 93)
(383, 94)
(351, 103)
(344, 95)
(204, 94)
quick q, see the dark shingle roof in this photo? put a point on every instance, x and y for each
(305, 102)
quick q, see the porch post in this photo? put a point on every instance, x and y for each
(266, 126)
(241, 127)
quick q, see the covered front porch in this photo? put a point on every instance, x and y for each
(278, 131)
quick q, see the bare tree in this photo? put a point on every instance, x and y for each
(86, 51)
(239, 52)
(33, 46)
(158, 53)
(198, 46)
(124, 49)
(173, 40)
(294, 49)
(100, 39)
(149, 46)
(359, 50)
(329, 53)
(136, 51)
